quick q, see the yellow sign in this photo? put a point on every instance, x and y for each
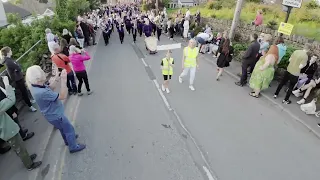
(285, 28)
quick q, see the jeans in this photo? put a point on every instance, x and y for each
(24, 91)
(293, 81)
(192, 73)
(71, 82)
(66, 129)
(82, 77)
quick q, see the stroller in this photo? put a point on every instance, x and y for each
(151, 44)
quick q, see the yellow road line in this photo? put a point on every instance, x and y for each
(74, 116)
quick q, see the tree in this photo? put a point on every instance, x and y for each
(13, 18)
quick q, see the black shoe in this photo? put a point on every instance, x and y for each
(239, 84)
(25, 131)
(5, 149)
(94, 44)
(75, 93)
(286, 101)
(33, 157)
(28, 136)
(34, 165)
(70, 93)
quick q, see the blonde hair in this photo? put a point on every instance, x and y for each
(73, 49)
(4, 52)
(35, 75)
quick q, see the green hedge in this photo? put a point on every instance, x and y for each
(22, 37)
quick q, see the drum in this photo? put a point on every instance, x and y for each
(151, 44)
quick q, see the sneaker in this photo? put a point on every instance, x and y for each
(302, 101)
(28, 136)
(4, 150)
(75, 93)
(33, 101)
(163, 88)
(32, 109)
(180, 80)
(286, 102)
(275, 96)
(171, 39)
(192, 88)
(89, 92)
(80, 94)
(79, 147)
(167, 90)
(297, 93)
(34, 165)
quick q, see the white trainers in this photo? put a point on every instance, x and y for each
(163, 88)
(167, 90)
(180, 80)
(302, 101)
(32, 109)
(192, 88)
(33, 101)
(297, 93)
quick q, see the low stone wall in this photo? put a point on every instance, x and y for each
(245, 30)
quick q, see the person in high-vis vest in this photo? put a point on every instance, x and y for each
(167, 65)
(190, 62)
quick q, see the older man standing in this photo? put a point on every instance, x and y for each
(51, 106)
(190, 62)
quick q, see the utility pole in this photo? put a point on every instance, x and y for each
(157, 6)
(236, 18)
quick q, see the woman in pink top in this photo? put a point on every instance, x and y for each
(77, 58)
(259, 19)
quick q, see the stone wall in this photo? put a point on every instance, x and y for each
(245, 30)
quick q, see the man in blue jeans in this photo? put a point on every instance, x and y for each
(50, 104)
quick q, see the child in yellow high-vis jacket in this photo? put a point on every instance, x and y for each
(167, 65)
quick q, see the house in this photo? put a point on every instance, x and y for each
(182, 3)
(3, 18)
(11, 8)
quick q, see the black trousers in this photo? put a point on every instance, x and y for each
(171, 32)
(25, 95)
(128, 29)
(105, 37)
(121, 36)
(244, 75)
(292, 82)
(134, 34)
(159, 33)
(82, 77)
(87, 39)
(140, 31)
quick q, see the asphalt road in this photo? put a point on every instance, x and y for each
(215, 132)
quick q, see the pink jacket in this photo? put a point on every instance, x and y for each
(77, 61)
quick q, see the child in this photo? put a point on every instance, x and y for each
(167, 65)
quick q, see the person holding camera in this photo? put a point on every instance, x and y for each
(50, 103)
(9, 130)
(62, 62)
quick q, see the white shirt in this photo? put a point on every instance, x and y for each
(204, 36)
(188, 13)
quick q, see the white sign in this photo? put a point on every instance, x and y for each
(168, 47)
(292, 3)
(3, 17)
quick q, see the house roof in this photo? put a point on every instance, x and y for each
(10, 8)
(186, 1)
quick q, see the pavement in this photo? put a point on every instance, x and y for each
(135, 131)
